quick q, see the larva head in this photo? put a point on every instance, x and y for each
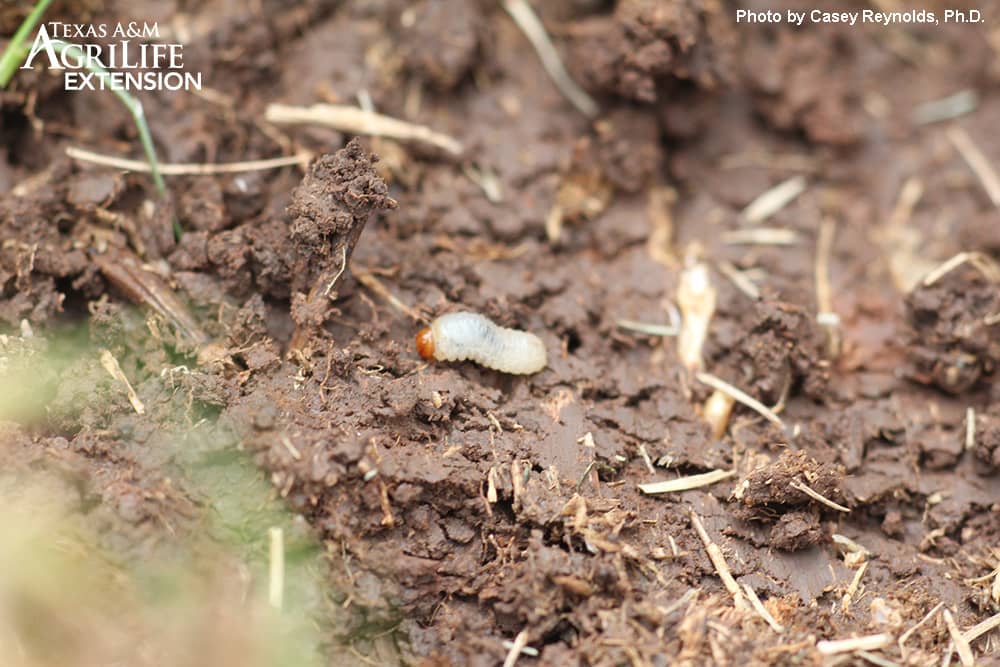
(425, 343)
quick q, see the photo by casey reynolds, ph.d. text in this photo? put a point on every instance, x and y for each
(862, 16)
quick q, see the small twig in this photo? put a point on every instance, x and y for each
(799, 486)
(374, 284)
(761, 236)
(525, 650)
(824, 292)
(981, 628)
(586, 471)
(660, 243)
(902, 243)
(876, 659)
(980, 166)
(946, 656)
(645, 458)
(981, 261)
(867, 643)
(961, 643)
(343, 267)
(111, 365)
(909, 633)
(852, 552)
(909, 196)
(125, 272)
(761, 610)
(358, 121)
(686, 483)
(845, 603)
(718, 560)
(679, 602)
(739, 279)
(491, 486)
(741, 397)
(771, 201)
(786, 390)
(276, 580)
(520, 641)
(696, 300)
(526, 19)
(487, 181)
(554, 223)
(717, 410)
(290, 448)
(970, 428)
(187, 168)
(946, 108)
(649, 329)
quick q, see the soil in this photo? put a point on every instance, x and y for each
(462, 506)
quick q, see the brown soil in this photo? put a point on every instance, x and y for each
(467, 506)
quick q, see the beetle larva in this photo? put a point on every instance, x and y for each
(470, 336)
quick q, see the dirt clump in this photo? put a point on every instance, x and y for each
(954, 342)
(327, 214)
(773, 348)
(461, 507)
(646, 44)
(987, 440)
(786, 70)
(442, 63)
(773, 494)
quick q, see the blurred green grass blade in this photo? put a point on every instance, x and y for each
(15, 52)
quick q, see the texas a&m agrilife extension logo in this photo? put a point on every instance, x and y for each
(129, 62)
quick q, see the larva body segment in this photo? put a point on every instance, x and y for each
(470, 336)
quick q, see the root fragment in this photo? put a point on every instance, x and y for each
(686, 483)
(526, 19)
(741, 397)
(826, 316)
(719, 561)
(189, 168)
(977, 162)
(696, 300)
(358, 121)
(866, 643)
(111, 365)
(771, 201)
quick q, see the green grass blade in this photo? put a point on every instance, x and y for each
(15, 52)
(132, 104)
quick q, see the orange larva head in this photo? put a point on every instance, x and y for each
(425, 343)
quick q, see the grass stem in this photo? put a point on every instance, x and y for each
(15, 52)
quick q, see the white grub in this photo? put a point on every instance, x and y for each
(470, 336)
